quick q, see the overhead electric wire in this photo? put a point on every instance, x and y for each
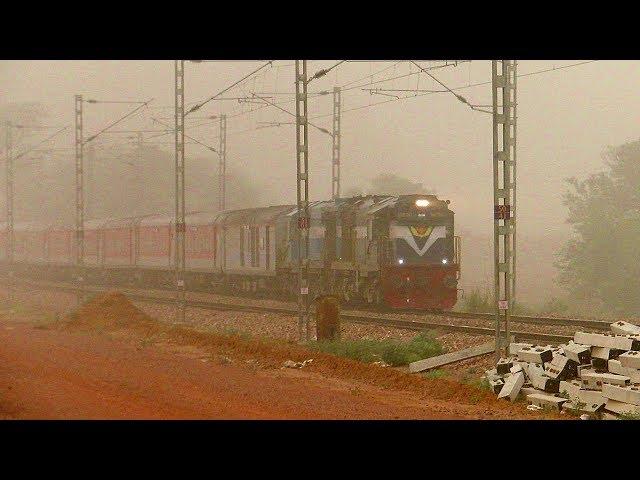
(316, 94)
(459, 97)
(462, 87)
(323, 130)
(189, 137)
(200, 105)
(40, 143)
(370, 75)
(111, 101)
(144, 104)
(404, 75)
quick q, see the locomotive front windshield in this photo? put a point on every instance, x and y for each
(421, 244)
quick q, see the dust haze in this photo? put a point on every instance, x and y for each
(567, 118)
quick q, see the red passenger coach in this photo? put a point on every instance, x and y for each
(154, 242)
(118, 237)
(60, 245)
(200, 242)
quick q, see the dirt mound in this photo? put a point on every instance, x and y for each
(111, 310)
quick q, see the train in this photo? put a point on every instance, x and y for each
(386, 251)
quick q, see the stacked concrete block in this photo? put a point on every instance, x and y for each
(514, 347)
(596, 374)
(581, 354)
(624, 328)
(535, 354)
(621, 408)
(583, 407)
(504, 366)
(615, 366)
(594, 380)
(619, 342)
(560, 368)
(628, 394)
(630, 360)
(544, 400)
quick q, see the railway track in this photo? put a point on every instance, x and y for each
(419, 324)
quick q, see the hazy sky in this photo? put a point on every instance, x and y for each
(565, 120)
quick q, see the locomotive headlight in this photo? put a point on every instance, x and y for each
(445, 261)
(422, 203)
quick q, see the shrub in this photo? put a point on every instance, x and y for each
(478, 301)
(391, 351)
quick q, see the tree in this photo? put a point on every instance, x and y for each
(600, 263)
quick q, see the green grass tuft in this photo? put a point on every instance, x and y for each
(437, 373)
(390, 351)
(234, 332)
(629, 416)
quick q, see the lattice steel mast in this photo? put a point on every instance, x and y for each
(179, 192)
(302, 179)
(503, 84)
(79, 236)
(222, 164)
(335, 160)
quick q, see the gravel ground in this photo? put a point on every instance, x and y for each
(270, 325)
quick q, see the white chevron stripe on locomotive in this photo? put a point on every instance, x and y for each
(403, 232)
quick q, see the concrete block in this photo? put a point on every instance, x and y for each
(599, 363)
(496, 384)
(616, 367)
(523, 364)
(512, 386)
(583, 407)
(627, 394)
(590, 396)
(514, 347)
(535, 354)
(630, 360)
(600, 352)
(516, 368)
(584, 368)
(546, 401)
(570, 387)
(580, 354)
(577, 394)
(561, 368)
(524, 391)
(621, 342)
(625, 328)
(504, 366)
(620, 408)
(541, 381)
(595, 380)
